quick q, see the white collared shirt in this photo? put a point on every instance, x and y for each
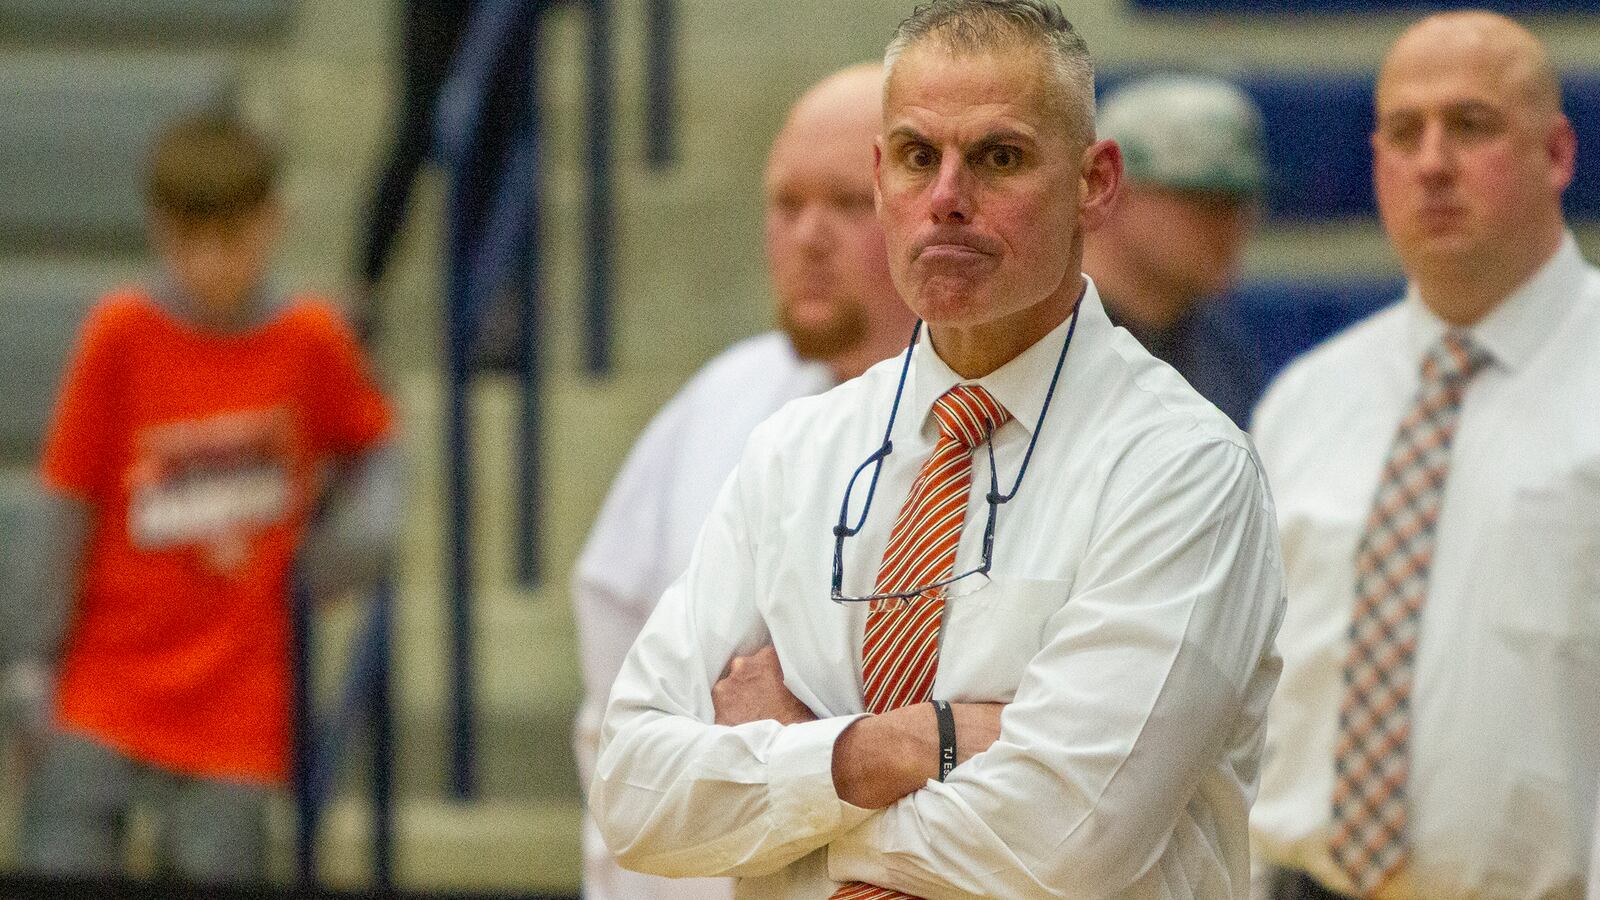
(642, 539)
(1505, 739)
(1128, 621)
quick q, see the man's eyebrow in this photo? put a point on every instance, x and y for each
(989, 139)
(1453, 107)
(1004, 136)
(1472, 105)
(904, 133)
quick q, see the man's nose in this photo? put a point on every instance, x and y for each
(813, 227)
(952, 192)
(1435, 154)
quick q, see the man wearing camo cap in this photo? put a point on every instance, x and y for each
(1192, 148)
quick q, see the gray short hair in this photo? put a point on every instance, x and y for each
(976, 26)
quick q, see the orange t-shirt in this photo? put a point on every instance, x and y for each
(199, 455)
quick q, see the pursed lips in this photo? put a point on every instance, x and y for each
(945, 249)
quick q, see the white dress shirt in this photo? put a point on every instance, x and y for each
(642, 539)
(1128, 622)
(1505, 737)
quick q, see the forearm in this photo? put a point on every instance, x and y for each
(880, 759)
(875, 764)
(42, 581)
(354, 534)
(41, 586)
(676, 796)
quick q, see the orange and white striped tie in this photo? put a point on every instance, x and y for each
(1372, 761)
(900, 652)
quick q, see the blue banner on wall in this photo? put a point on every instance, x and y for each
(1319, 156)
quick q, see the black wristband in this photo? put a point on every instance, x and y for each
(947, 736)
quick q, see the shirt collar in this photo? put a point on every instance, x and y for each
(264, 302)
(1513, 331)
(1019, 385)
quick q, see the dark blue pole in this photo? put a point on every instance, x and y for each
(530, 274)
(304, 751)
(383, 741)
(363, 700)
(459, 330)
(597, 307)
(661, 83)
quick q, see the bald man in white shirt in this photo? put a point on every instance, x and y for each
(1437, 473)
(994, 619)
(838, 313)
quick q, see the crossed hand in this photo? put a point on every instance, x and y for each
(876, 760)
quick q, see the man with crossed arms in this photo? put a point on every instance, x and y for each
(1101, 675)
(1437, 469)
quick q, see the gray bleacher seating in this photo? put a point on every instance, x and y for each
(74, 128)
(151, 20)
(41, 306)
(24, 515)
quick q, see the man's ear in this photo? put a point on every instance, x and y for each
(1561, 147)
(1100, 183)
(877, 174)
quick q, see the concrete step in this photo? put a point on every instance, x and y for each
(441, 845)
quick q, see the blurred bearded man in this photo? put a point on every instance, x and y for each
(838, 314)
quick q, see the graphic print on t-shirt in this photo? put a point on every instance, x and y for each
(212, 484)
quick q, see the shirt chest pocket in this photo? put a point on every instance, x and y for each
(1553, 565)
(991, 631)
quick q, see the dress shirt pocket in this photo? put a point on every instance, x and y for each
(991, 631)
(1555, 564)
(1534, 843)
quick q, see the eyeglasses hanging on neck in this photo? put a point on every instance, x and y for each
(995, 499)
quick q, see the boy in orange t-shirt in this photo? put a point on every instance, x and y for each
(201, 424)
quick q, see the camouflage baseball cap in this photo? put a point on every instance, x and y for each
(1186, 131)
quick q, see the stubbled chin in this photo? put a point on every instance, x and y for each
(944, 303)
(1438, 253)
(1441, 241)
(818, 333)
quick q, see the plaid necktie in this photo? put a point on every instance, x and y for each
(1372, 762)
(900, 652)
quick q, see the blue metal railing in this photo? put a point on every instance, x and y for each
(500, 42)
(320, 743)
(661, 80)
(497, 249)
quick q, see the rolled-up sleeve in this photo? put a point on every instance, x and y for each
(675, 794)
(1151, 683)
